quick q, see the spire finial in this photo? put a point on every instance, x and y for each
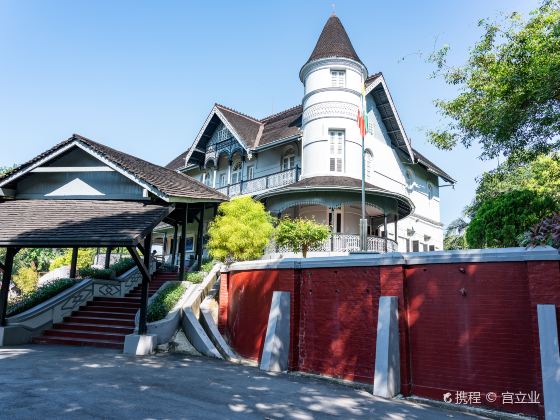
(333, 9)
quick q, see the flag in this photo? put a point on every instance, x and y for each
(362, 119)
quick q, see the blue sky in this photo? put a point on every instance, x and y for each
(141, 76)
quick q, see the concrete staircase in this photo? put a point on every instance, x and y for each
(103, 322)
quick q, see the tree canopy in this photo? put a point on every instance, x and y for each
(509, 89)
(300, 235)
(501, 221)
(541, 175)
(241, 230)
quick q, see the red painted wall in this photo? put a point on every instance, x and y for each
(482, 340)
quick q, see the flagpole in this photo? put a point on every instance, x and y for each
(363, 220)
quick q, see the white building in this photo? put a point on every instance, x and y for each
(306, 161)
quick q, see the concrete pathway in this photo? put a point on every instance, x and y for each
(44, 381)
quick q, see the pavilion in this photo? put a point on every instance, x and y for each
(81, 193)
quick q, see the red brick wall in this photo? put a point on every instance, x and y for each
(338, 322)
(484, 341)
(480, 342)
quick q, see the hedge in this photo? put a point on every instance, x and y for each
(96, 273)
(165, 301)
(122, 266)
(38, 296)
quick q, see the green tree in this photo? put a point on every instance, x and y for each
(241, 230)
(509, 89)
(26, 279)
(500, 221)
(454, 237)
(300, 235)
(541, 175)
(85, 258)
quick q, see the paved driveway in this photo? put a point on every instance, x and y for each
(44, 381)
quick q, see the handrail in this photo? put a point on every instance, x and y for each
(264, 182)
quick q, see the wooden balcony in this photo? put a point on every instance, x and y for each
(267, 182)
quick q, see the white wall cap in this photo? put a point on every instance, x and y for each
(542, 253)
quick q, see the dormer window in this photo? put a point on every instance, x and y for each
(338, 78)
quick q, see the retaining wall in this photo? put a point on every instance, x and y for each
(467, 319)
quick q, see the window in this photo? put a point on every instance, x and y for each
(250, 172)
(432, 248)
(223, 134)
(236, 172)
(223, 181)
(336, 145)
(430, 190)
(208, 178)
(338, 78)
(415, 246)
(369, 165)
(288, 162)
(409, 178)
(424, 247)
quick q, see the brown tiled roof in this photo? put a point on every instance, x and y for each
(334, 42)
(247, 127)
(178, 162)
(86, 223)
(279, 126)
(165, 180)
(372, 78)
(432, 167)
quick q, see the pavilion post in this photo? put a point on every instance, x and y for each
(74, 262)
(108, 257)
(182, 245)
(174, 246)
(143, 324)
(6, 278)
(200, 234)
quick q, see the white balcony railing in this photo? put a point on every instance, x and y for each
(251, 186)
(341, 242)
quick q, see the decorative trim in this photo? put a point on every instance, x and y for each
(330, 109)
(329, 62)
(381, 81)
(331, 89)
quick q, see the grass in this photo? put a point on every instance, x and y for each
(165, 301)
(38, 296)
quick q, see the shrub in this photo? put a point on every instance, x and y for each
(165, 301)
(195, 277)
(97, 273)
(207, 266)
(501, 220)
(26, 279)
(38, 296)
(300, 235)
(546, 232)
(85, 258)
(240, 231)
(122, 266)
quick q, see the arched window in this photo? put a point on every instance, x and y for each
(236, 172)
(369, 165)
(430, 190)
(409, 176)
(288, 159)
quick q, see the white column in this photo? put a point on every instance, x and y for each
(214, 178)
(550, 360)
(229, 172)
(387, 377)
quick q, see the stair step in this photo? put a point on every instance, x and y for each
(117, 300)
(94, 314)
(78, 342)
(113, 309)
(77, 326)
(101, 321)
(108, 304)
(92, 335)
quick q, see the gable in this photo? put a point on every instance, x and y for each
(242, 133)
(76, 174)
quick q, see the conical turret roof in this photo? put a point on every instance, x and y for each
(334, 42)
